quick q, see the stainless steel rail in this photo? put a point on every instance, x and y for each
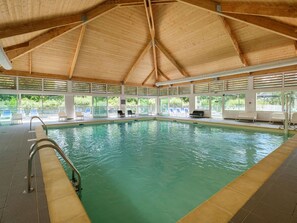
(52, 144)
(43, 124)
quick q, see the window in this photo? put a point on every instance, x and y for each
(173, 91)
(201, 88)
(31, 104)
(131, 104)
(142, 91)
(54, 85)
(202, 103)
(7, 82)
(179, 106)
(268, 81)
(113, 106)
(113, 89)
(81, 87)
(269, 101)
(235, 102)
(236, 84)
(164, 106)
(100, 106)
(32, 84)
(8, 106)
(83, 104)
(163, 91)
(152, 91)
(130, 90)
(184, 90)
(99, 88)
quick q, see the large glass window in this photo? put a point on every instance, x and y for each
(113, 106)
(235, 102)
(83, 104)
(164, 106)
(100, 106)
(151, 106)
(31, 105)
(52, 105)
(202, 103)
(179, 106)
(143, 106)
(269, 101)
(131, 104)
(8, 105)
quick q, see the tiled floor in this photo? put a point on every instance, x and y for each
(15, 206)
(276, 200)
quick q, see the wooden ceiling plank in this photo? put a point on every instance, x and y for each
(77, 49)
(265, 23)
(22, 28)
(148, 77)
(171, 59)
(234, 41)
(295, 45)
(150, 20)
(261, 9)
(56, 32)
(139, 58)
(164, 75)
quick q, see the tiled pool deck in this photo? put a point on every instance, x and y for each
(275, 201)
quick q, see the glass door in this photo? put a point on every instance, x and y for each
(100, 106)
(216, 106)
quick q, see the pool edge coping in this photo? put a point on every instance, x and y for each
(220, 208)
(63, 202)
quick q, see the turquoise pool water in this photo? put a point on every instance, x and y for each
(157, 171)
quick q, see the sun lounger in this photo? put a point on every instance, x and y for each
(247, 116)
(62, 116)
(277, 117)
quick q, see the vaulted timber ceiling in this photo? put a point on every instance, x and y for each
(139, 42)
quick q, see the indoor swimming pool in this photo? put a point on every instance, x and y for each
(157, 171)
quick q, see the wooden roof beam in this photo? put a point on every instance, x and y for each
(295, 45)
(150, 20)
(261, 9)
(140, 3)
(148, 77)
(77, 49)
(30, 62)
(268, 24)
(139, 58)
(56, 32)
(234, 41)
(171, 59)
(13, 29)
(164, 75)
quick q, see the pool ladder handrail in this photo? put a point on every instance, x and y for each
(52, 144)
(43, 124)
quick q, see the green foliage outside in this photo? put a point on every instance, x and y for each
(8, 101)
(235, 102)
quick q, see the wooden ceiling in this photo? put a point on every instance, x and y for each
(139, 42)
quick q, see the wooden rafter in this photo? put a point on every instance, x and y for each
(56, 32)
(261, 9)
(234, 41)
(164, 75)
(265, 23)
(139, 58)
(171, 59)
(150, 20)
(140, 3)
(77, 49)
(30, 62)
(295, 45)
(148, 77)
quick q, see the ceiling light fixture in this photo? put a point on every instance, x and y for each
(260, 67)
(4, 60)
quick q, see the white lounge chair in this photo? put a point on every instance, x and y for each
(62, 116)
(79, 115)
(277, 117)
(247, 116)
(17, 117)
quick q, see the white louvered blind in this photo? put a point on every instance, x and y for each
(173, 91)
(81, 87)
(152, 91)
(290, 79)
(268, 81)
(182, 90)
(216, 86)
(7, 82)
(236, 84)
(32, 84)
(142, 91)
(54, 85)
(130, 90)
(113, 89)
(163, 91)
(99, 88)
(201, 88)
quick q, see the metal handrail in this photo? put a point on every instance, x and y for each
(43, 124)
(34, 148)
